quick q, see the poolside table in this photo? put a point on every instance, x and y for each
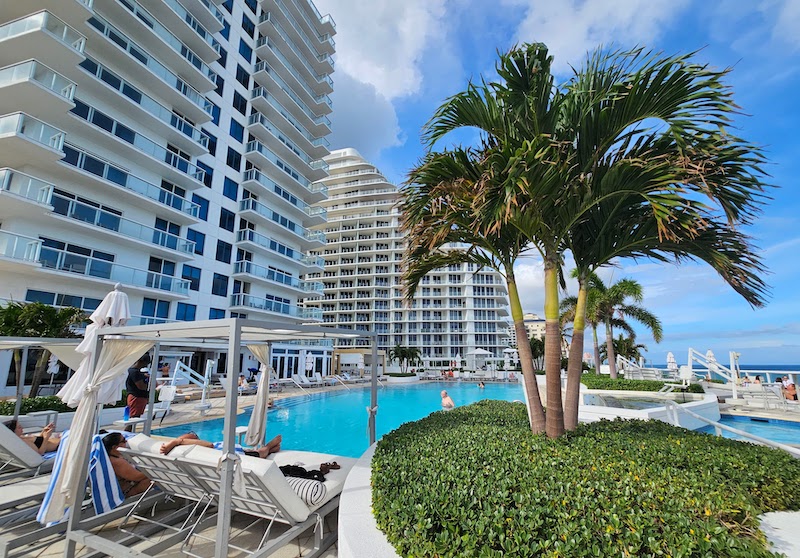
(133, 423)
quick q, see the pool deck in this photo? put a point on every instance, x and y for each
(781, 528)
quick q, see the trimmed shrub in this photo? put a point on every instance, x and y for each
(400, 374)
(476, 482)
(49, 403)
(595, 381)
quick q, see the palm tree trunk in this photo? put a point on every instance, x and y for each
(575, 366)
(612, 359)
(596, 349)
(552, 350)
(535, 411)
(38, 372)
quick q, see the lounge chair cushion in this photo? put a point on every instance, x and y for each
(334, 480)
(14, 450)
(312, 492)
(145, 444)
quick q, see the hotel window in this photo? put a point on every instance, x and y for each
(252, 4)
(228, 5)
(208, 176)
(223, 57)
(239, 103)
(216, 314)
(203, 203)
(165, 267)
(227, 219)
(237, 131)
(212, 142)
(220, 89)
(248, 26)
(185, 312)
(219, 285)
(230, 189)
(246, 51)
(242, 76)
(215, 112)
(224, 251)
(234, 159)
(199, 240)
(226, 30)
(192, 274)
(155, 308)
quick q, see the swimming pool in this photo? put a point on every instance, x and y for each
(783, 431)
(336, 422)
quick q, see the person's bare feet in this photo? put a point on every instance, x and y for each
(169, 446)
(273, 446)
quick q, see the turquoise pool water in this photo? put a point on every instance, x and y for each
(783, 431)
(336, 422)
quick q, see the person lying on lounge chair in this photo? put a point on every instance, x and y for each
(43, 442)
(130, 478)
(273, 446)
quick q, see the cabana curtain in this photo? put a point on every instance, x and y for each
(257, 427)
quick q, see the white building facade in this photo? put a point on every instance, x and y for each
(455, 311)
(168, 145)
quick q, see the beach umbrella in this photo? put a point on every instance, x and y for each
(672, 364)
(99, 379)
(257, 427)
(360, 364)
(310, 362)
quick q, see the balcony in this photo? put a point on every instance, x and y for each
(264, 157)
(33, 87)
(89, 167)
(290, 139)
(72, 12)
(249, 302)
(41, 36)
(23, 196)
(317, 215)
(132, 60)
(207, 13)
(17, 249)
(274, 277)
(120, 228)
(144, 29)
(310, 127)
(273, 29)
(138, 147)
(319, 46)
(108, 273)
(24, 139)
(311, 103)
(140, 107)
(273, 247)
(311, 239)
(189, 28)
(319, 24)
(315, 89)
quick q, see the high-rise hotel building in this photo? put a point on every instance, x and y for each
(455, 311)
(169, 145)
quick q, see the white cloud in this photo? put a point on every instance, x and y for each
(787, 24)
(363, 118)
(571, 28)
(380, 42)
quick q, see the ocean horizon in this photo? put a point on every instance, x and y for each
(763, 367)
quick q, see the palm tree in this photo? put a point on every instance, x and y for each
(626, 347)
(405, 356)
(35, 319)
(537, 352)
(575, 168)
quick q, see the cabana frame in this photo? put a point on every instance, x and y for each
(236, 332)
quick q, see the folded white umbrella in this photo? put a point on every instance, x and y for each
(672, 364)
(257, 427)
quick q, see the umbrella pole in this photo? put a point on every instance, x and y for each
(23, 368)
(373, 396)
(229, 458)
(151, 396)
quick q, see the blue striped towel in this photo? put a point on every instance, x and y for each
(106, 491)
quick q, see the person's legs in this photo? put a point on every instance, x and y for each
(137, 488)
(188, 439)
(273, 446)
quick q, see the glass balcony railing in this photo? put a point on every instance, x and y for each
(321, 38)
(214, 10)
(33, 129)
(263, 66)
(19, 247)
(255, 175)
(250, 204)
(320, 18)
(249, 301)
(44, 21)
(246, 235)
(141, 143)
(121, 40)
(85, 161)
(166, 35)
(25, 186)
(61, 260)
(190, 20)
(258, 147)
(106, 220)
(258, 118)
(266, 16)
(146, 102)
(276, 276)
(39, 73)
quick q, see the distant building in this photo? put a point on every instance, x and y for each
(534, 325)
(455, 311)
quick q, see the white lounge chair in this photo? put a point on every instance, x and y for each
(327, 381)
(303, 381)
(191, 472)
(18, 459)
(166, 396)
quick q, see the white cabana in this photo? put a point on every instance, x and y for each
(257, 427)
(235, 332)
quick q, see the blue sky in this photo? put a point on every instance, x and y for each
(397, 61)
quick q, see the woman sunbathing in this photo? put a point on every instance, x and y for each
(130, 478)
(41, 443)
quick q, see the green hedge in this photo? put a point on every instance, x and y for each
(400, 374)
(476, 482)
(48, 403)
(596, 381)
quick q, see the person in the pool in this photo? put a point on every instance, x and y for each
(447, 402)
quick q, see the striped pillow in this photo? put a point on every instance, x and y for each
(311, 491)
